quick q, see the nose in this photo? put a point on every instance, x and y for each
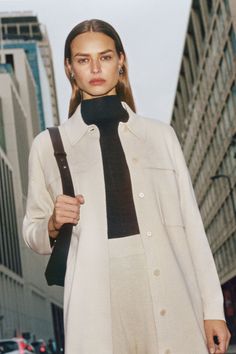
(95, 66)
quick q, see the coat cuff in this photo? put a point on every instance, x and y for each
(214, 311)
(37, 237)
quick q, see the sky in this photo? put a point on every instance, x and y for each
(153, 34)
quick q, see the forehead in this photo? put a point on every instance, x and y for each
(92, 42)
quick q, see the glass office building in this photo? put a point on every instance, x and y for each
(33, 56)
(28, 306)
(204, 118)
(23, 30)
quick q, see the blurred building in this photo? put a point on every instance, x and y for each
(27, 305)
(204, 118)
(23, 30)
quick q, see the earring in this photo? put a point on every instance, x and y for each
(72, 75)
(121, 71)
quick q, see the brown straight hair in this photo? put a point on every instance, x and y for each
(123, 88)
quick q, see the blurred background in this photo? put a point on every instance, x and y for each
(182, 64)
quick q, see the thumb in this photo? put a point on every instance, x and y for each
(80, 198)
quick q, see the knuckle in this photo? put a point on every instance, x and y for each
(57, 213)
(57, 204)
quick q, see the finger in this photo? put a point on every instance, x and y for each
(67, 199)
(67, 207)
(65, 220)
(219, 351)
(228, 337)
(211, 345)
(224, 338)
(80, 198)
(66, 214)
(63, 211)
(221, 345)
(228, 340)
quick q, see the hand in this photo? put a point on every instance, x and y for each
(66, 210)
(219, 329)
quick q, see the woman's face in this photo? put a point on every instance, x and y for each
(95, 64)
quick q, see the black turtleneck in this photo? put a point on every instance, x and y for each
(106, 112)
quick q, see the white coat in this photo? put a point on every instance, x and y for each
(183, 280)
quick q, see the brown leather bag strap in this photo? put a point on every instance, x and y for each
(56, 267)
(60, 155)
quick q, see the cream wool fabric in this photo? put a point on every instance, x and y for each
(133, 324)
(182, 277)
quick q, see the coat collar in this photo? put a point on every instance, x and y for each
(76, 128)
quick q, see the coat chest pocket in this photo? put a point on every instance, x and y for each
(54, 185)
(165, 186)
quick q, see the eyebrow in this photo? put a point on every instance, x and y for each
(87, 55)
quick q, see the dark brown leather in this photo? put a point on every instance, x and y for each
(56, 267)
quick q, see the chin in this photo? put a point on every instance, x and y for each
(98, 91)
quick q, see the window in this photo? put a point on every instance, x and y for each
(215, 42)
(24, 29)
(2, 134)
(9, 241)
(224, 71)
(197, 8)
(231, 109)
(220, 28)
(209, 6)
(35, 29)
(226, 118)
(228, 58)
(12, 30)
(9, 346)
(227, 8)
(233, 40)
(10, 60)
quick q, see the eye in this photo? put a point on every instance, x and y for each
(106, 57)
(82, 60)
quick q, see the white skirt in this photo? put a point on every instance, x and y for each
(133, 325)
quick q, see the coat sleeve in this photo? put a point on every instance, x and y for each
(200, 251)
(39, 206)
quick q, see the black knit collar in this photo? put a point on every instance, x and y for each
(103, 110)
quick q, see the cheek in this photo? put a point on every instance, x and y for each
(114, 72)
(80, 72)
(81, 76)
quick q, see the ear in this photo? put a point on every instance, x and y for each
(121, 59)
(68, 65)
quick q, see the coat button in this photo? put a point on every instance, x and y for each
(141, 194)
(149, 233)
(156, 272)
(163, 312)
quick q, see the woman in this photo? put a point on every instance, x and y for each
(140, 274)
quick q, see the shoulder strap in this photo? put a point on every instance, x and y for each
(56, 267)
(62, 163)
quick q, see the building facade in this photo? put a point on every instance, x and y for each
(28, 306)
(23, 30)
(204, 118)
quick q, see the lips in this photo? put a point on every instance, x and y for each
(97, 82)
